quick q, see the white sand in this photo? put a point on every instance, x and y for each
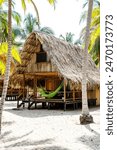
(48, 130)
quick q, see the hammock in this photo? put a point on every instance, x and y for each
(44, 93)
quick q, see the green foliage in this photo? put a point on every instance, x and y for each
(52, 2)
(3, 56)
(94, 45)
(16, 16)
(30, 25)
(46, 30)
(2, 67)
(1, 2)
(14, 51)
(4, 23)
(69, 37)
(15, 54)
(23, 4)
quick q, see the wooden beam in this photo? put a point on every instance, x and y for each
(23, 86)
(73, 93)
(35, 86)
(64, 90)
(43, 73)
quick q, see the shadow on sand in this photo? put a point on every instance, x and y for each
(20, 142)
(51, 148)
(35, 113)
(93, 142)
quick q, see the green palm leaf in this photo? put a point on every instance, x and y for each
(14, 51)
(23, 4)
(1, 1)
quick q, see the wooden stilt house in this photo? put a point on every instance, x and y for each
(46, 62)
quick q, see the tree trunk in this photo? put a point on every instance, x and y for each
(7, 72)
(85, 117)
(37, 13)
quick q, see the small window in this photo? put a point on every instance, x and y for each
(41, 57)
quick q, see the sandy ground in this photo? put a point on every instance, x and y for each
(43, 129)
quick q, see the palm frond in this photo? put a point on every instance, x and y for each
(15, 54)
(2, 67)
(1, 2)
(47, 30)
(16, 16)
(23, 4)
(83, 17)
(14, 51)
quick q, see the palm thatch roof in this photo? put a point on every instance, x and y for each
(66, 57)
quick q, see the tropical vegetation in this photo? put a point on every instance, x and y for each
(4, 38)
(94, 44)
(31, 24)
(3, 57)
(8, 63)
(69, 37)
(86, 118)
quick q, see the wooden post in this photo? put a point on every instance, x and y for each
(73, 93)
(27, 94)
(64, 94)
(23, 86)
(35, 86)
(73, 96)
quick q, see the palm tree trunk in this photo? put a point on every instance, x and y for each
(85, 117)
(7, 72)
(37, 13)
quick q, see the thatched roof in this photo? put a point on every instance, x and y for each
(65, 56)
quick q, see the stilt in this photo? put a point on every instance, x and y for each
(64, 94)
(35, 86)
(73, 97)
(23, 86)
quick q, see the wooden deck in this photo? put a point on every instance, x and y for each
(48, 102)
(32, 101)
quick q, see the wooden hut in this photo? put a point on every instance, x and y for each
(46, 61)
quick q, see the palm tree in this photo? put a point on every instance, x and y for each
(85, 117)
(94, 44)
(6, 78)
(30, 25)
(7, 72)
(4, 38)
(52, 2)
(69, 37)
(4, 22)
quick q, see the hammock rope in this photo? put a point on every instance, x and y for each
(44, 93)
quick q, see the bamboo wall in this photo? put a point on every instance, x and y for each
(40, 67)
(95, 93)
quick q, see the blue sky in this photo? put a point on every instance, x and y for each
(65, 18)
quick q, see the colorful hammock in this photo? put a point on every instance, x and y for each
(44, 93)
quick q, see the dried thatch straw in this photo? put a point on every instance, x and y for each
(65, 56)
